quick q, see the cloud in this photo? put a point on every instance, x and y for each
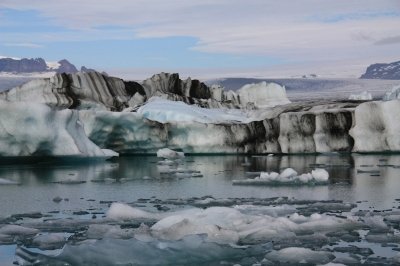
(388, 40)
(25, 44)
(291, 30)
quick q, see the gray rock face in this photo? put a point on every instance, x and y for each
(383, 71)
(66, 67)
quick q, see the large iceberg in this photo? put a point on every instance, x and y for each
(165, 111)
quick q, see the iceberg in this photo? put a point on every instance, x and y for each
(295, 255)
(393, 94)
(263, 95)
(169, 154)
(287, 177)
(96, 115)
(363, 96)
(37, 130)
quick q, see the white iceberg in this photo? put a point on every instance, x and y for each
(169, 154)
(393, 94)
(263, 95)
(363, 96)
(287, 177)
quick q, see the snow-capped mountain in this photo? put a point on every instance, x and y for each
(29, 65)
(383, 71)
(36, 66)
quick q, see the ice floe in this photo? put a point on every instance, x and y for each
(287, 177)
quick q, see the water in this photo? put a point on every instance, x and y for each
(372, 182)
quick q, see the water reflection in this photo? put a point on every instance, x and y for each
(378, 181)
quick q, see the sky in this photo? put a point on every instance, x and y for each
(205, 38)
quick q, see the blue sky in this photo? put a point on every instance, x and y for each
(207, 38)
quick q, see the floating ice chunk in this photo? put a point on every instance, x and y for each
(305, 177)
(363, 96)
(191, 250)
(99, 231)
(178, 226)
(269, 176)
(49, 241)
(169, 154)
(294, 255)
(218, 223)
(120, 211)
(4, 181)
(287, 177)
(320, 175)
(375, 222)
(17, 230)
(287, 173)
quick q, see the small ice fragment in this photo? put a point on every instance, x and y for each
(169, 154)
(320, 175)
(288, 173)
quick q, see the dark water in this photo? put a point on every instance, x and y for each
(372, 179)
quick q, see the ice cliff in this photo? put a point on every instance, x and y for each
(35, 129)
(165, 111)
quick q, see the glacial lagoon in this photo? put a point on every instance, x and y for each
(356, 215)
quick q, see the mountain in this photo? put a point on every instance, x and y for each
(383, 71)
(37, 65)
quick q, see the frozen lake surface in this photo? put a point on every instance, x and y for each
(143, 209)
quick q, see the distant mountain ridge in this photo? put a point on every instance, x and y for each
(33, 65)
(383, 71)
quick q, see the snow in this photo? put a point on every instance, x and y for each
(363, 96)
(53, 65)
(165, 111)
(169, 154)
(36, 129)
(287, 177)
(263, 94)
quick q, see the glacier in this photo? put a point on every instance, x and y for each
(89, 114)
